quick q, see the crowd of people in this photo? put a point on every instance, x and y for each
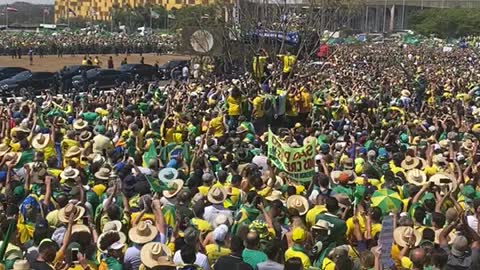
(18, 44)
(179, 177)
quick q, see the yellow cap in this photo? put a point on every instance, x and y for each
(298, 234)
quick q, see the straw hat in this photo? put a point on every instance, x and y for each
(103, 174)
(416, 177)
(40, 141)
(278, 182)
(176, 184)
(69, 173)
(4, 148)
(116, 226)
(410, 163)
(450, 237)
(156, 254)
(70, 209)
(21, 265)
(217, 194)
(298, 202)
(12, 158)
(343, 177)
(167, 174)
(443, 179)
(80, 124)
(59, 121)
(79, 228)
(85, 135)
(403, 234)
(276, 195)
(105, 233)
(143, 233)
(444, 143)
(405, 93)
(73, 151)
(467, 145)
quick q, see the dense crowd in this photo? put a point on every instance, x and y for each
(179, 177)
(61, 43)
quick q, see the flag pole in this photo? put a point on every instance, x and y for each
(43, 16)
(6, 17)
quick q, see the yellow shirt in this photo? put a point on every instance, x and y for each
(312, 214)
(328, 264)
(406, 263)
(234, 106)
(292, 109)
(375, 228)
(216, 126)
(288, 62)
(203, 190)
(258, 107)
(306, 101)
(264, 192)
(49, 150)
(214, 251)
(291, 253)
(201, 225)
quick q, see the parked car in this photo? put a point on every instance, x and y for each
(68, 72)
(144, 71)
(33, 82)
(8, 72)
(176, 66)
(101, 78)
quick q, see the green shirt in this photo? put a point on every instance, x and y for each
(113, 264)
(253, 257)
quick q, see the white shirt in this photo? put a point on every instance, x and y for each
(201, 260)
(473, 222)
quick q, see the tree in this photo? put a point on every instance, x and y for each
(445, 23)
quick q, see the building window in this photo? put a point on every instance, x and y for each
(205, 2)
(191, 2)
(178, 1)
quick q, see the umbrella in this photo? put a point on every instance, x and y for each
(387, 200)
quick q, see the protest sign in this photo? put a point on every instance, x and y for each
(297, 162)
(385, 241)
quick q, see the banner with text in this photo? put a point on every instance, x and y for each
(297, 162)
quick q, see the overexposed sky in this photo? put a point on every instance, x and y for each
(43, 2)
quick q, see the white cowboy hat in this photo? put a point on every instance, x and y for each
(156, 254)
(443, 179)
(402, 235)
(103, 174)
(80, 124)
(416, 177)
(69, 173)
(70, 209)
(275, 195)
(405, 93)
(176, 184)
(143, 233)
(40, 141)
(85, 135)
(117, 245)
(167, 174)
(217, 194)
(410, 163)
(298, 202)
(73, 151)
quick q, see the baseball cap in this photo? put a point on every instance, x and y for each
(298, 234)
